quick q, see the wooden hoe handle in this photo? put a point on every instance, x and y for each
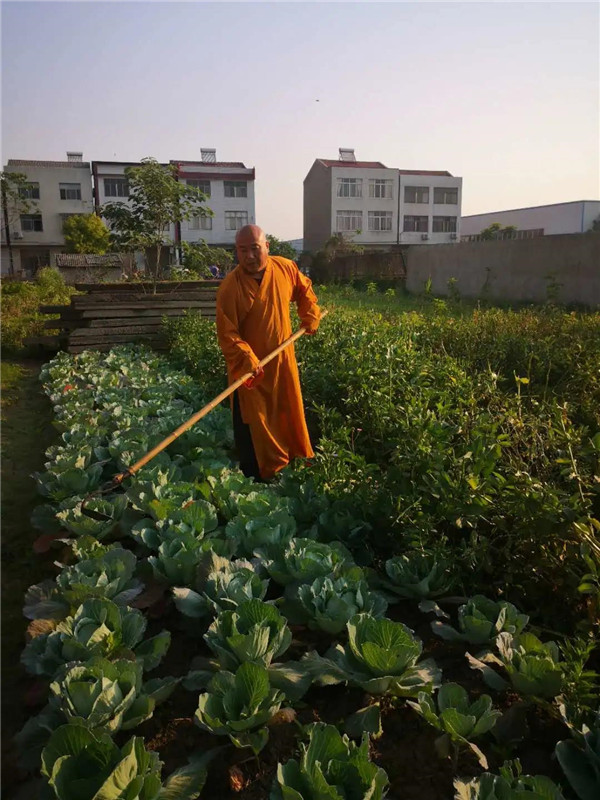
(118, 479)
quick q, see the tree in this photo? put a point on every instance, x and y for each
(198, 257)
(157, 200)
(496, 231)
(86, 233)
(15, 201)
(336, 245)
(340, 245)
(279, 248)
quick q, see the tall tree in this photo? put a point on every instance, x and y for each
(16, 200)
(199, 257)
(496, 231)
(279, 248)
(157, 200)
(86, 233)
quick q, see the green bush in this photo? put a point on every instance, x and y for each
(473, 429)
(20, 303)
(193, 343)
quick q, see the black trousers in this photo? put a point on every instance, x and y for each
(243, 442)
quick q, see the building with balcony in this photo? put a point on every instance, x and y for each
(378, 206)
(55, 191)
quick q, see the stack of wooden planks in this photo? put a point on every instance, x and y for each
(107, 314)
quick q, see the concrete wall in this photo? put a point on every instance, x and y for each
(513, 270)
(557, 218)
(369, 266)
(317, 207)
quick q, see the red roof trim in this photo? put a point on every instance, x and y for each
(21, 162)
(232, 164)
(361, 164)
(219, 176)
(439, 172)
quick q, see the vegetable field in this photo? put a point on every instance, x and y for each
(414, 614)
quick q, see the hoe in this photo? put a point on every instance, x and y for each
(113, 484)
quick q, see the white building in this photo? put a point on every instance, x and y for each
(56, 190)
(574, 217)
(378, 206)
(228, 186)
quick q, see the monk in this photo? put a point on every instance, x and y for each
(253, 318)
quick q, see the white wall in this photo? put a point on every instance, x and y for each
(219, 204)
(559, 218)
(366, 203)
(217, 201)
(50, 205)
(429, 209)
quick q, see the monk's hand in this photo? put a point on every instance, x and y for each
(257, 374)
(310, 333)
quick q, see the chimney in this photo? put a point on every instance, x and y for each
(209, 155)
(74, 157)
(347, 154)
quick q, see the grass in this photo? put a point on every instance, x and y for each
(26, 433)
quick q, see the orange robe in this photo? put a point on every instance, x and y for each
(252, 320)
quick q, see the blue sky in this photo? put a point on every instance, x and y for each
(506, 95)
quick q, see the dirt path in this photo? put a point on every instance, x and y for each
(26, 433)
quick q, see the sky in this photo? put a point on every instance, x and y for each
(504, 94)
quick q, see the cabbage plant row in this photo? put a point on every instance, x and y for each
(242, 562)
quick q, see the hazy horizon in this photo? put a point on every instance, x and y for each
(504, 95)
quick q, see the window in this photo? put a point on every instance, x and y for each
(380, 220)
(234, 220)
(444, 225)
(116, 187)
(380, 188)
(448, 196)
(419, 224)
(70, 191)
(203, 186)
(416, 194)
(31, 223)
(200, 223)
(349, 187)
(31, 191)
(348, 221)
(236, 188)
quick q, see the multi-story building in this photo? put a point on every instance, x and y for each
(228, 186)
(55, 191)
(574, 217)
(378, 206)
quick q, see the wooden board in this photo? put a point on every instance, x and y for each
(142, 312)
(154, 304)
(94, 301)
(164, 286)
(129, 330)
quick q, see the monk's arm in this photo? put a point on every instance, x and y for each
(306, 301)
(238, 354)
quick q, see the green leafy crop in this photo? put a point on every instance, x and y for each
(382, 657)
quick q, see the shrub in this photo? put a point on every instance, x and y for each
(20, 303)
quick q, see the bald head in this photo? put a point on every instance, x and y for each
(251, 233)
(252, 248)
